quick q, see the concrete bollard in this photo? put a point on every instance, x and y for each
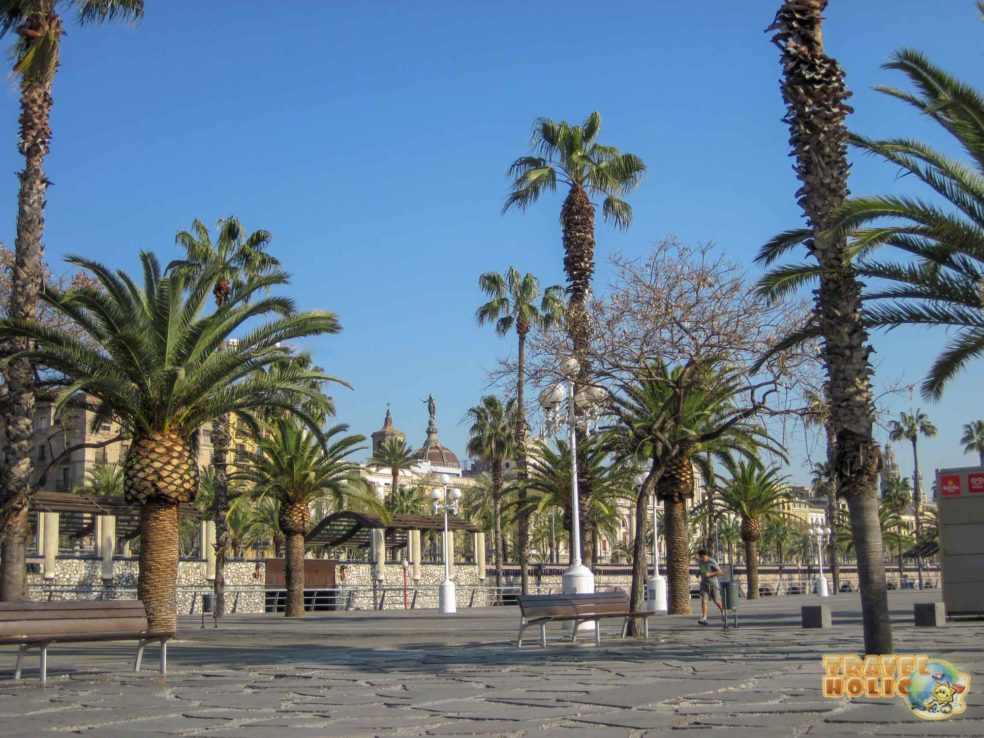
(929, 614)
(815, 616)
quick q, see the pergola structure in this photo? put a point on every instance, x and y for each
(79, 516)
(369, 530)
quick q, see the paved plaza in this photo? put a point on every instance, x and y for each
(396, 673)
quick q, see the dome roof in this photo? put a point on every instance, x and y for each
(437, 453)
(387, 432)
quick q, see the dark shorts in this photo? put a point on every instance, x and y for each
(710, 589)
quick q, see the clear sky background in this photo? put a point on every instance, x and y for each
(372, 140)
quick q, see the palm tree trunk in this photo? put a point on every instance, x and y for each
(639, 556)
(917, 510)
(677, 555)
(221, 438)
(524, 515)
(295, 575)
(500, 541)
(815, 95)
(158, 579)
(18, 420)
(832, 507)
(751, 570)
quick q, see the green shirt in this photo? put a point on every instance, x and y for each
(707, 567)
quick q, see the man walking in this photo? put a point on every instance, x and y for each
(710, 584)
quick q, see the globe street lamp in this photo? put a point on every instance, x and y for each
(820, 533)
(656, 585)
(578, 578)
(446, 500)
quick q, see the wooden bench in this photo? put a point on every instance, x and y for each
(39, 624)
(579, 608)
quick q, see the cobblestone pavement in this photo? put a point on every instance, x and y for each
(416, 673)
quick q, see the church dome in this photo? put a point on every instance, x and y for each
(433, 451)
(387, 432)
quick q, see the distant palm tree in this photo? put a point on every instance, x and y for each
(517, 302)
(755, 495)
(102, 480)
(973, 439)
(492, 440)
(909, 427)
(393, 454)
(150, 360)
(407, 501)
(895, 530)
(236, 260)
(36, 53)
(897, 494)
(295, 467)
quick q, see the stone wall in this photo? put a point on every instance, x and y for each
(81, 578)
(356, 586)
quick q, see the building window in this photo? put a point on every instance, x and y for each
(65, 482)
(42, 453)
(105, 427)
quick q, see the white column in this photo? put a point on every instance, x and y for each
(378, 551)
(106, 544)
(208, 546)
(51, 536)
(479, 540)
(415, 554)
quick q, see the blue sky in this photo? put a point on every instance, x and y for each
(372, 139)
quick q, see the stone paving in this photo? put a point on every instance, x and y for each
(419, 674)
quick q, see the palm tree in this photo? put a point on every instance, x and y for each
(756, 495)
(150, 360)
(407, 501)
(897, 494)
(895, 530)
(909, 427)
(572, 155)
(492, 440)
(237, 259)
(815, 93)
(973, 439)
(393, 454)
(103, 480)
(671, 419)
(513, 304)
(36, 53)
(729, 533)
(295, 467)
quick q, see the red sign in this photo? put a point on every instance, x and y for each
(949, 485)
(975, 481)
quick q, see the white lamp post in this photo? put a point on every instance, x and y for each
(656, 585)
(446, 500)
(578, 578)
(820, 533)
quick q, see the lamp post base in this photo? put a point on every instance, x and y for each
(578, 580)
(821, 583)
(656, 594)
(446, 597)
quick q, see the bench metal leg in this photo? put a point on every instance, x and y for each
(17, 668)
(519, 638)
(597, 625)
(44, 664)
(577, 624)
(140, 650)
(163, 658)
(645, 627)
(543, 635)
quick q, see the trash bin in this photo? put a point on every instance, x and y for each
(729, 593)
(208, 608)
(729, 598)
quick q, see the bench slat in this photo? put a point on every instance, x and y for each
(75, 626)
(71, 614)
(70, 605)
(87, 638)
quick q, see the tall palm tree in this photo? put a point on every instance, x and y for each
(756, 495)
(571, 155)
(295, 467)
(973, 439)
(150, 360)
(894, 528)
(38, 27)
(940, 267)
(815, 94)
(518, 302)
(492, 440)
(909, 427)
(407, 501)
(237, 258)
(394, 454)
